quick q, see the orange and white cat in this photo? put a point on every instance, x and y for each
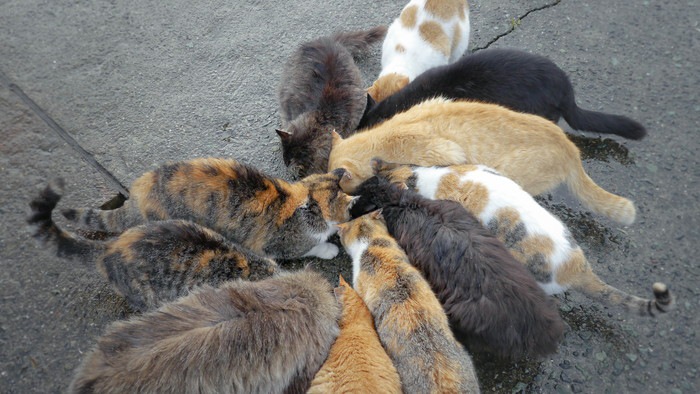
(357, 362)
(530, 150)
(533, 235)
(428, 33)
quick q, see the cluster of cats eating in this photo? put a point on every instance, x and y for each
(427, 176)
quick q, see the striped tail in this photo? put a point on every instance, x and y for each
(45, 230)
(111, 221)
(598, 200)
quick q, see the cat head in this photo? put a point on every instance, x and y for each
(305, 146)
(398, 174)
(363, 228)
(387, 85)
(375, 193)
(325, 191)
(353, 306)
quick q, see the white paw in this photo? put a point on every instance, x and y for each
(324, 251)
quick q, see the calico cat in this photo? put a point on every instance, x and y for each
(533, 236)
(490, 298)
(528, 149)
(428, 33)
(518, 80)
(267, 215)
(320, 91)
(410, 321)
(270, 336)
(357, 362)
(153, 263)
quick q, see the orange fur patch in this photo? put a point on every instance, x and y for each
(445, 9)
(400, 48)
(386, 85)
(408, 16)
(432, 33)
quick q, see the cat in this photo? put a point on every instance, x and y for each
(321, 90)
(518, 80)
(152, 263)
(528, 149)
(409, 319)
(242, 337)
(428, 33)
(269, 216)
(491, 300)
(534, 236)
(357, 361)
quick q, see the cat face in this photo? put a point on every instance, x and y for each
(387, 85)
(325, 194)
(365, 227)
(305, 146)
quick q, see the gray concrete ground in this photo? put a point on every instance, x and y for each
(141, 83)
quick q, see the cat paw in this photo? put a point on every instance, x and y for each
(324, 251)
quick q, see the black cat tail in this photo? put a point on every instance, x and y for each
(599, 122)
(359, 42)
(45, 230)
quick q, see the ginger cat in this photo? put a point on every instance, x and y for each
(428, 33)
(357, 362)
(534, 236)
(530, 150)
(267, 215)
(410, 321)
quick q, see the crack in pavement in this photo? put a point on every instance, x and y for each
(515, 23)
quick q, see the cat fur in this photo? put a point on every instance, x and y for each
(410, 321)
(357, 361)
(530, 150)
(491, 299)
(428, 33)
(321, 90)
(533, 235)
(270, 336)
(269, 216)
(518, 80)
(152, 263)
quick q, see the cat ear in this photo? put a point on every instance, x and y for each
(342, 282)
(284, 135)
(340, 290)
(340, 173)
(341, 228)
(376, 214)
(336, 138)
(376, 164)
(371, 95)
(402, 185)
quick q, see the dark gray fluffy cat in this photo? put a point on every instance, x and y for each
(322, 90)
(270, 336)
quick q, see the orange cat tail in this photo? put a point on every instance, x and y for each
(598, 200)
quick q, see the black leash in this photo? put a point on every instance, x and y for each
(87, 156)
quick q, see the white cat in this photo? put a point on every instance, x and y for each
(428, 33)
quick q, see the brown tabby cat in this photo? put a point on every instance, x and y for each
(532, 234)
(270, 336)
(152, 263)
(410, 321)
(528, 149)
(357, 362)
(266, 215)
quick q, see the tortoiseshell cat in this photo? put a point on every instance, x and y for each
(270, 336)
(528, 149)
(490, 298)
(269, 216)
(533, 235)
(321, 90)
(518, 80)
(410, 321)
(428, 33)
(152, 263)
(357, 362)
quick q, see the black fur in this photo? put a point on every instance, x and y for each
(521, 81)
(490, 298)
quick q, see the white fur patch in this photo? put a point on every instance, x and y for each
(325, 250)
(355, 250)
(428, 180)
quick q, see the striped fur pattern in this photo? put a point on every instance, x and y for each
(410, 321)
(357, 362)
(152, 263)
(532, 234)
(490, 298)
(270, 336)
(321, 90)
(269, 216)
(428, 33)
(530, 150)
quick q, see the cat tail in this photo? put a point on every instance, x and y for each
(359, 42)
(599, 200)
(581, 119)
(591, 285)
(113, 220)
(45, 230)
